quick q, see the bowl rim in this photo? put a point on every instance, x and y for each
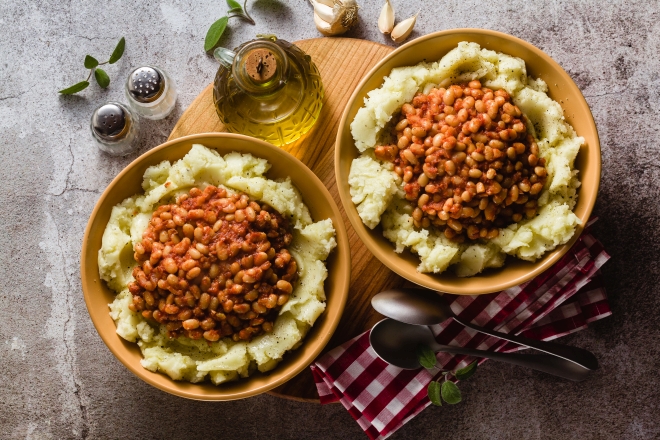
(551, 257)
(341, 238)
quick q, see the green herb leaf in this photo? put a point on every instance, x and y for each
(466, 372)
(82, 85)
(426, 356)
(118, 52)
(238, 11)
(102, 78)
(90, 62)
(214, 33)
(450, 392)
(233, 4)
(433, 392)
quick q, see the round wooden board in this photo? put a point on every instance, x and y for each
(342, 63)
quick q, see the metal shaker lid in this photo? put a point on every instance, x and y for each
(146, 84)
(110, 121)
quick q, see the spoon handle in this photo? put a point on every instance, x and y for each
(579, 356)
(540, 362)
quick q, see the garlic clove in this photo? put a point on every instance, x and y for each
(324, 11)
(330, 3)
(386, 19)
(402, 30)
(323, 26)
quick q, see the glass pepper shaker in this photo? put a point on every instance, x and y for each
(150, 92)
(115, 128)
(269, 89)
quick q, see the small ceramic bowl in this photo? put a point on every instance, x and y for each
(561, 88)
(316, 197)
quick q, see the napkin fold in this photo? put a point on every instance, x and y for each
(382, 398)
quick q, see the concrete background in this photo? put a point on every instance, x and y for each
(57, 378)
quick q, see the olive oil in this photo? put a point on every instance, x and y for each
(269, 89)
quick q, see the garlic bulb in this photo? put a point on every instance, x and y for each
(402, 30)
(334, 17)
(386, 19)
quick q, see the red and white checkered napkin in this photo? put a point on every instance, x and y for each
(382, 398)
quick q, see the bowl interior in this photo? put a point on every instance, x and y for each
(561, 89)
(316, 197)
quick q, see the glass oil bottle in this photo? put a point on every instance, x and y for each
(268, 89)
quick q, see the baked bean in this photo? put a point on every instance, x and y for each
(419, 132)
(410, 156)
(450, 167)
(170, 265)
(201, 248)
(423, 200)
(475, 173)
(193, 273)
(477, 160)
(449, 97)
(536, 188)
(474, 84)
(284, 286)
(401, 125)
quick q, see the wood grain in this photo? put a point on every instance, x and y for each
(343, 63)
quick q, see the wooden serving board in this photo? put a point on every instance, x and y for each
(342, 62)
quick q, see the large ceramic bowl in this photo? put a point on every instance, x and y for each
(561, 88)
(316, 197)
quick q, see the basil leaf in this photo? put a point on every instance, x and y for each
(102, 78)
(90, 62)
(214, 33)
(233, 4)
(426, 356)
(82, 85)
(466, 372)
(433, 392)
(450, 392)
(118, 52)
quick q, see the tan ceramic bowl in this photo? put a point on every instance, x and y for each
(316, 197)
(561, 88)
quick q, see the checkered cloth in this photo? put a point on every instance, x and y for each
(382, 398)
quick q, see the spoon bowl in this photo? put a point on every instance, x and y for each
(397, 347)
(412, 306)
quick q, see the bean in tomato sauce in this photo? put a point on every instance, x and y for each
(469, 167)
(213, 265)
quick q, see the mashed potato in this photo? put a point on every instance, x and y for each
(377, 192)
(224, 360)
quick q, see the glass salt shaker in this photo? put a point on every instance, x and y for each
(115, 128)
(151, 93)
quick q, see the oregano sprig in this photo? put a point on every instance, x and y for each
(443, 388)
(218, 27)
(100, 75)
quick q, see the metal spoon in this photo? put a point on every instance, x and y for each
(426, 307)
(396, 343)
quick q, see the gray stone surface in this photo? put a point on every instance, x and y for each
(59, 381)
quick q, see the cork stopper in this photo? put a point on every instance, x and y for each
(260, 65)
